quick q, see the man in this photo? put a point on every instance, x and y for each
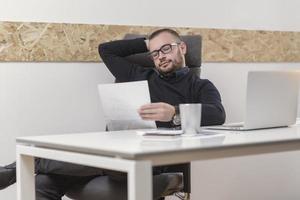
(170, 84)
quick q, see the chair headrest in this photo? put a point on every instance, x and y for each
(192, 57)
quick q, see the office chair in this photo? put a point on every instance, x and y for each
(176, 179)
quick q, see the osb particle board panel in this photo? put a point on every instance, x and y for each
(58, 42)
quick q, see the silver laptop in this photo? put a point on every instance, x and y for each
(271, 101)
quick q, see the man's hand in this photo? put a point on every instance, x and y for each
(157, 112)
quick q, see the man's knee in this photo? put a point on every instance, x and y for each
(45, 166)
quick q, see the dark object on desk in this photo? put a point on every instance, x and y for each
(177, 177)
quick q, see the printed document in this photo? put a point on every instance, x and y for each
(121, 101)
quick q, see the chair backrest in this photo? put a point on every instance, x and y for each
(192, 57)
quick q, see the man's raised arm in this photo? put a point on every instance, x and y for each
(113, 55)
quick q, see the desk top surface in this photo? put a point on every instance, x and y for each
(129, 144)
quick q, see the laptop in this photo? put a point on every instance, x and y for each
(271, 101)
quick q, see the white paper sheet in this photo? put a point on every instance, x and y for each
(121, 101)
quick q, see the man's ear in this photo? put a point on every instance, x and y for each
(183, 47)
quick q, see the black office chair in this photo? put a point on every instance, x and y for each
(176, 180)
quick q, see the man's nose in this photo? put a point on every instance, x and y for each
(161, 55)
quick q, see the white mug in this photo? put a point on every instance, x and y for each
(190, 115)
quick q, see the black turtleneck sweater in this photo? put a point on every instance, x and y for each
(182, 87)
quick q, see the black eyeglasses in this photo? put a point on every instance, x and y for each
(165, 49)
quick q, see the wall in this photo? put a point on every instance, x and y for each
(53, 98)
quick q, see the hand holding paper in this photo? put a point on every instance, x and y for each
(157, 112)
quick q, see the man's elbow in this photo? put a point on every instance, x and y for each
(222, 118)
(215, 116)
(101, 49)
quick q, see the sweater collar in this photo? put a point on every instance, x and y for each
(177, 74)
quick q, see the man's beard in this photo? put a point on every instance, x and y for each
(176, 64)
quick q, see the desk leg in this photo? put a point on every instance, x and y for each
(140, 181)
(25, 177)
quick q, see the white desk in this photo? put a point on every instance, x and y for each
(128, 152)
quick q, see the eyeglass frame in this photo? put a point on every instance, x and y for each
(160, 50)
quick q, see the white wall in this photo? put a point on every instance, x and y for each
(245, 14)
(52, 98)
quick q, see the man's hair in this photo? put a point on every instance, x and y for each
(165, 30)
